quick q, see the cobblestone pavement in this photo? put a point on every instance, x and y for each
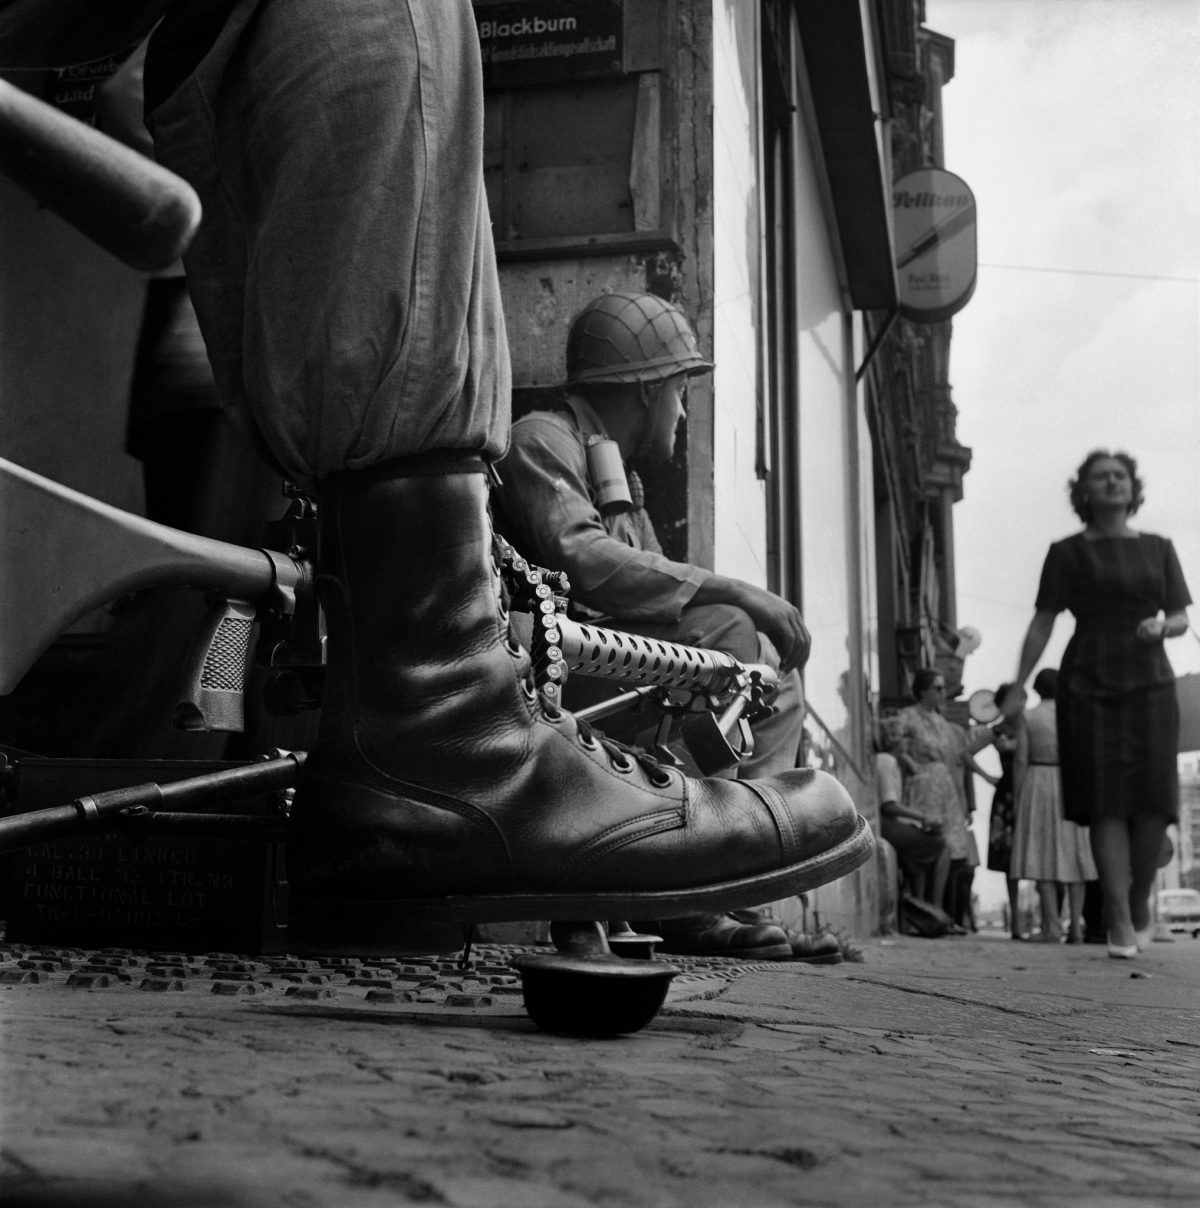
(963, 1073)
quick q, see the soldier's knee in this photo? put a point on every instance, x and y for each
(721, 627)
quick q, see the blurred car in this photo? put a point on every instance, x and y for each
(1179, 910)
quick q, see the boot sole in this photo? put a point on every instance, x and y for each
(330, 925)
(766, 952)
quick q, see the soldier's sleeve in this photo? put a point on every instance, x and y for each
(556, 524)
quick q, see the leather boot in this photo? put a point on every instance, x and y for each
(442, 788)
(722, 935)
(815, 949)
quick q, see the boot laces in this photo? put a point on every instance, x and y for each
(624, 757)
(621, 755)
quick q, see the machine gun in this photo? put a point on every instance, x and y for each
(712, 691)
(63, 554)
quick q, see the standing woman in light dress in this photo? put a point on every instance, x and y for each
(1046, 847)
(1118, 715)
(934, 755)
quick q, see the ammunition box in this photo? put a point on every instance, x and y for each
(159, 893)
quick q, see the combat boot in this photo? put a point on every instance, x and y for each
(442, 788)
(722, 935)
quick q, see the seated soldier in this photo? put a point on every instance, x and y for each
(629, 356)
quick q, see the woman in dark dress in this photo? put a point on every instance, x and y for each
(1118, 715)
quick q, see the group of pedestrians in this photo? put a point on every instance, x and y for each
(1088, 782)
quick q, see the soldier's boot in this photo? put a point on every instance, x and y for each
(442, 788)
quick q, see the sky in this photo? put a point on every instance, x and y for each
(1076, 123)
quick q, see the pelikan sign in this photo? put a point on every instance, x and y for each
(933, 216)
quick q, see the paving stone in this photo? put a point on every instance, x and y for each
(389, 996)
(92, 981)
(234, 987)
(309, 992)
(161, 983)
(167, 970)
(468, 1000)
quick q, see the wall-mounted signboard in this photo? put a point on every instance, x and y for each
(933, 215)
(543, 41)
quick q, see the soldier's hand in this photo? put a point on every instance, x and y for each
(781, 622)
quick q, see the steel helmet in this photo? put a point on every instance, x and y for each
(631, 337)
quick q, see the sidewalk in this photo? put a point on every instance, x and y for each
(960, 1073)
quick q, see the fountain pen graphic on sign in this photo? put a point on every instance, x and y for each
(941, 233)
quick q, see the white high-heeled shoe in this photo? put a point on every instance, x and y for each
(1119, 952)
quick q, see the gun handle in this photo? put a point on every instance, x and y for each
(63, 554)
(708, 744)
(213, 691)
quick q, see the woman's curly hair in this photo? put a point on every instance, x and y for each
(1077, 487)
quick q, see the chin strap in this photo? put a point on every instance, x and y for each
(647, 436)
(637, 492)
